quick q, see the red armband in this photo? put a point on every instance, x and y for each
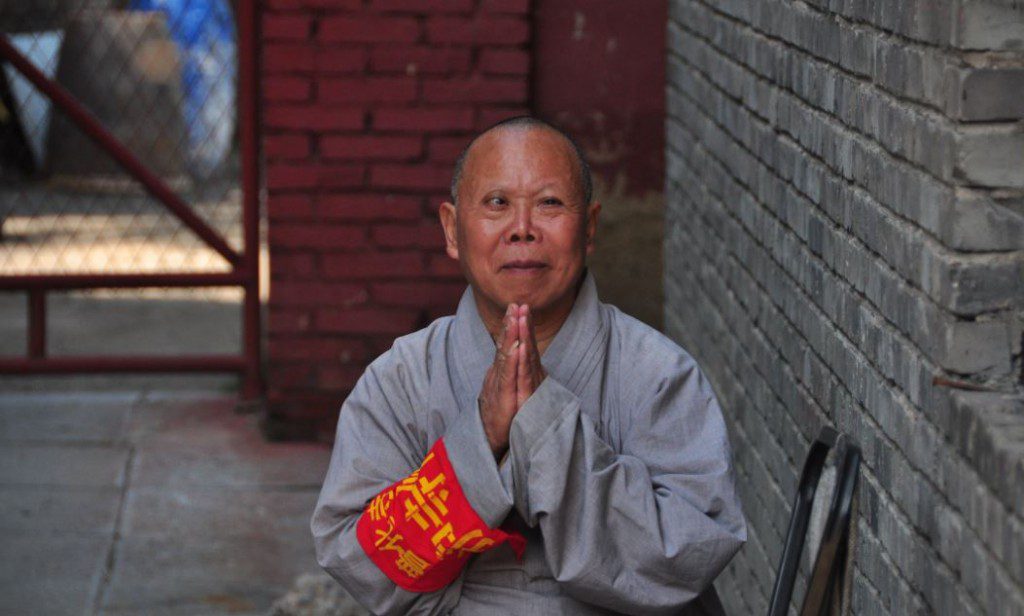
(421, 531)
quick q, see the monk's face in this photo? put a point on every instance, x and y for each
(521, 231)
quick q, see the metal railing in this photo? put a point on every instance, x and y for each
(60, 171)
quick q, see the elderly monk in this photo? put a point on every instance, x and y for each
(539, 452)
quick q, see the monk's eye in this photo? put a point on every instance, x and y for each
(551, 202)
(496, 202)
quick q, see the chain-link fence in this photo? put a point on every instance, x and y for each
(121, 183)
(160, 76)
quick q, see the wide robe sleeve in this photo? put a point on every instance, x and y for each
(644, 530)
(398, 517)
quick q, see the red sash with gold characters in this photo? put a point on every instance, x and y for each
(421, 530)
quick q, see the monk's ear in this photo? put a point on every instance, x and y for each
(448, 223)
(592, 212)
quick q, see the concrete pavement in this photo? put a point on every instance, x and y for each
(149, 503)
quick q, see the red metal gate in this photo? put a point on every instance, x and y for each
(243, 272)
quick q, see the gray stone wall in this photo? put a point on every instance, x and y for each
(845, 247)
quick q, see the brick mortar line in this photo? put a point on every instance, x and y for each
(886, 498)
(940, 494)
(868, 584)
(797, 329)
(837, 125)
(898, 219)
(804, 567)
(879, 311)
(840, 127)
(732, 581)
(951, 56)
(864, 531)
(899, 573)
(882, 324)
(775, 485)
(758, 550)
(763, 584)
(733, 598)
(895, 571)
(918, 353)
(926, 111)
(882, 318)
(914, 291)
(896, 450)
(899, 514)
(778, 403)
(737, 378)
(901, 39)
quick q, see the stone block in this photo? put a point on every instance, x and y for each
(164, 574)
(226, 462)
(50, 575)
(198, 515)
(42, 510)
(99, 417)
(978, 223)
(976, 347)
(991, 156)
(992, 94)
(62, 465)
(974, 284)
(990, 25)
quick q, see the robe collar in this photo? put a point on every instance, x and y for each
(569, 357)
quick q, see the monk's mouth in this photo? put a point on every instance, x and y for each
(524, 266)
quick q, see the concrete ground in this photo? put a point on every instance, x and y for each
(90, 323)
(148, 503)
(137, 493)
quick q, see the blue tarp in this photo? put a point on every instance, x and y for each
(204, 32)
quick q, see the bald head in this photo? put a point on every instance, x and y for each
(526, 123)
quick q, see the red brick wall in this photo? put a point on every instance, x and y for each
(365, 105)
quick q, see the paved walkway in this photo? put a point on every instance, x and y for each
(148, 503)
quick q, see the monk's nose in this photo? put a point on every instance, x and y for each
(522, 228)
(526, 236)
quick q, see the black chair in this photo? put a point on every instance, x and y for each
(828, 586)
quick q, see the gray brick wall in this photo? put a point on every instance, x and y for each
(845, 247)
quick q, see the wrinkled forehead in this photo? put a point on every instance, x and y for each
(521, 157)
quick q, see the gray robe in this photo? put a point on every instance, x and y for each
(619, 471)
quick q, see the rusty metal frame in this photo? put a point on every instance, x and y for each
(244, 266)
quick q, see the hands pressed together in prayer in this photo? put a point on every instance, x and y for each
(513, 377)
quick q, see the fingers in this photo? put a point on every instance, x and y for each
(523, 326)
(509, 366)
(510, 371)
(523, 383)
(509, 334)
(526, 333)
(498, 393)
